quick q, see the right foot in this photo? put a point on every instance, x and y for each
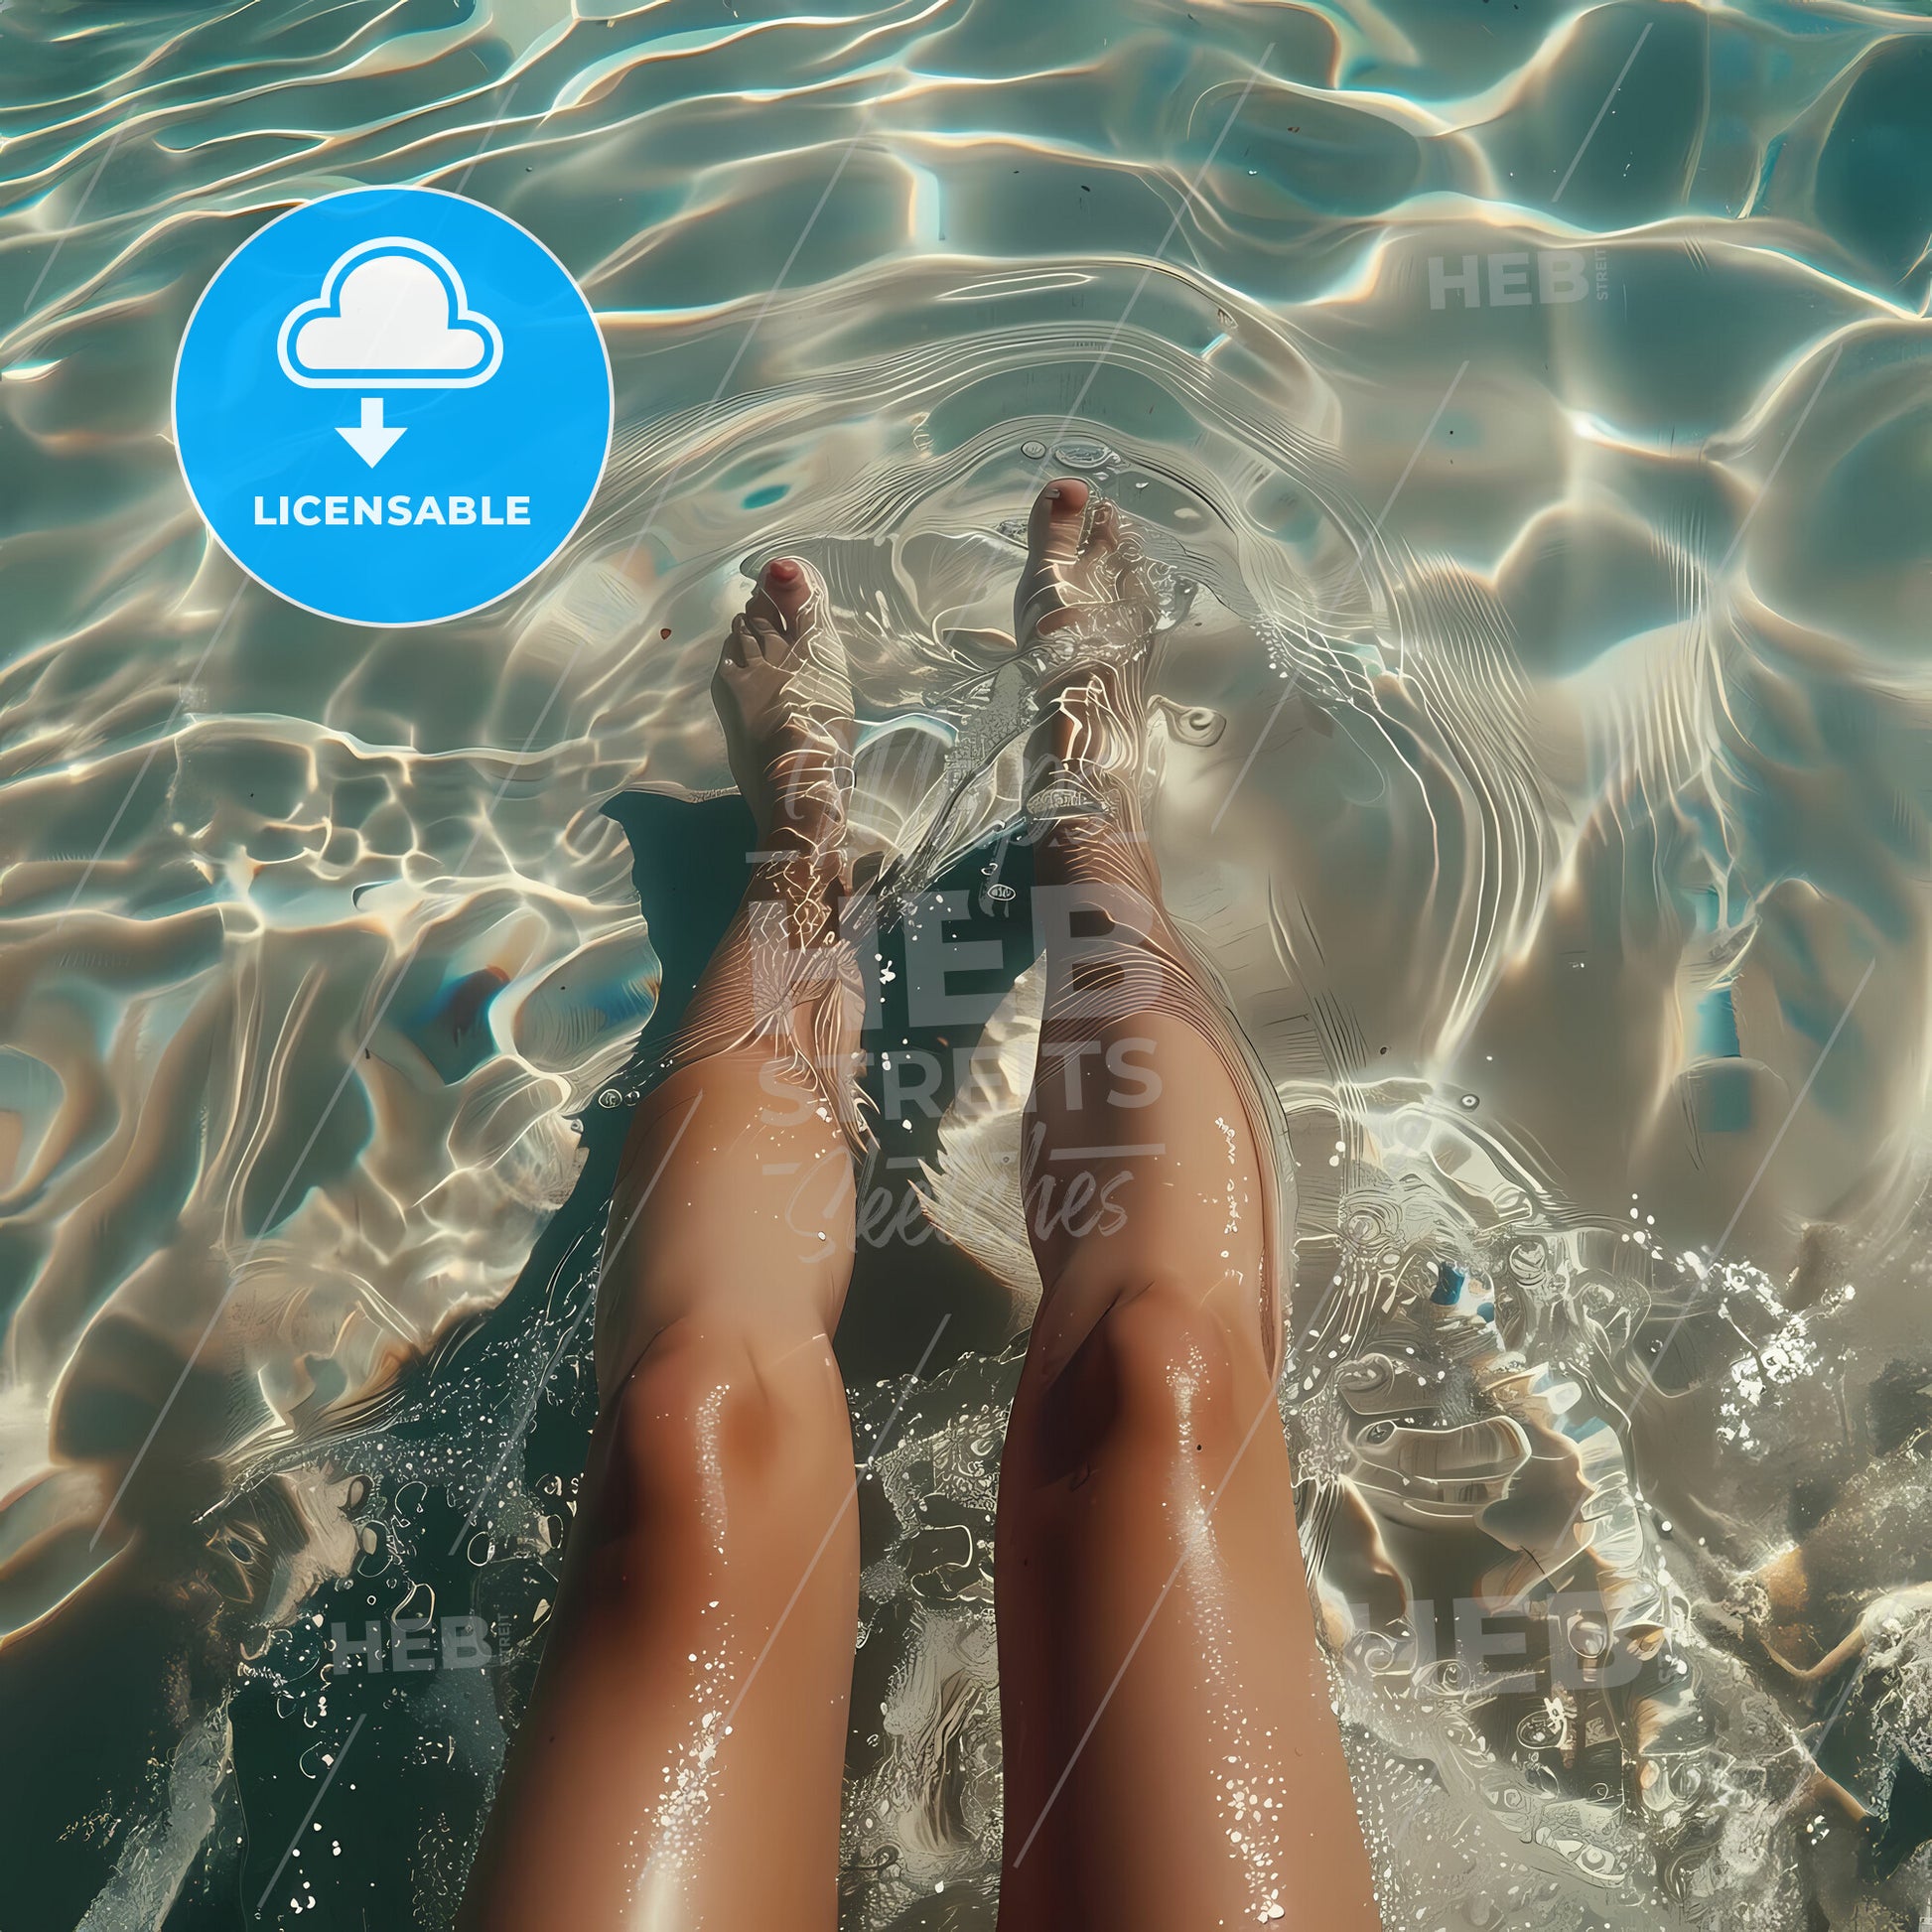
(785, 698)
(1084, 614)
(1087, 590)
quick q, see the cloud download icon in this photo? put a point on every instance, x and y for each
(392, 313)
(426, 305)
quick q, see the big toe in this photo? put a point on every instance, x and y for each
(782, 598)
(1058, 522)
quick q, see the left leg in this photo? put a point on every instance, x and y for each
(681, 1761)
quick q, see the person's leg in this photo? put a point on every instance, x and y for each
(680, 1764)
(1172, 1760)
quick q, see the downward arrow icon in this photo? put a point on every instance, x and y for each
(369, 439)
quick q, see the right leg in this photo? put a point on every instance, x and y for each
(1172, 1760)
(680, 1766)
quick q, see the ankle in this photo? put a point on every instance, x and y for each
(817, 835)
(802, 806)
(1086, 764)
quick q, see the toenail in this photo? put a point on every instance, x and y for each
(780, 570)
(1072, 490)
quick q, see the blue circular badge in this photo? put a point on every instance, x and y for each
(392, 406)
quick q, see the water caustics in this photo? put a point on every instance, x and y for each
(1527, 408)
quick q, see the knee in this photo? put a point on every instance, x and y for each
(714, 1421)
(1153, 1372)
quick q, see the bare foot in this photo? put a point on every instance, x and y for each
(1087, 585)
(785, 698)
(1084, 614)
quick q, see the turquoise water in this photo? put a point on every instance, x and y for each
(1532, 405)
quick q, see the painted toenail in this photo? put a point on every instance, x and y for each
(780, 570)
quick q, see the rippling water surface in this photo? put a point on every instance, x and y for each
(1533, 405)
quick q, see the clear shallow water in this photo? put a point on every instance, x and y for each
(1544, 769)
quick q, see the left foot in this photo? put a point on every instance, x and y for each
(786, 973)
(785, 698)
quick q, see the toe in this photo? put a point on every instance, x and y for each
(1058, 520)
(1056, 538)
(1104, 529)
(784, 589)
